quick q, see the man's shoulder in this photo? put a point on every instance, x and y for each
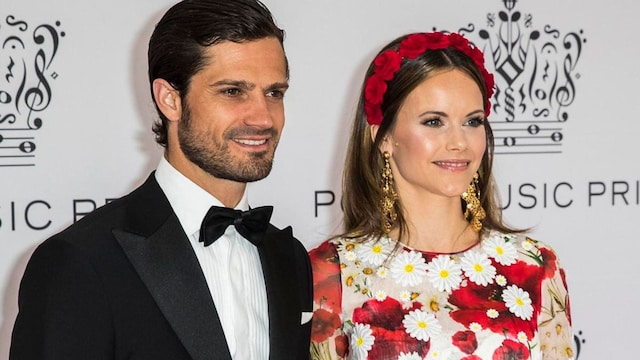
(119, 213)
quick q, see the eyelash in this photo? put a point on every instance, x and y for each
(430, 122)
(436, 122)
(234, 92)
(231, 91)
(479, 121)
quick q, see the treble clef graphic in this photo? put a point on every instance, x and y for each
(38, 98)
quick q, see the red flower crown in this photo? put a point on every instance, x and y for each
(387, 64)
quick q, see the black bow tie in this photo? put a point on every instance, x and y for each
(251, 224)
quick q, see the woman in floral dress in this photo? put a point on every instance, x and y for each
(426, 269)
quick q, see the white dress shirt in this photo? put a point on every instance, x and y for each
(231, 266)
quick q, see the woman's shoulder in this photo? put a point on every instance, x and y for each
(523, 240)
(508, 247)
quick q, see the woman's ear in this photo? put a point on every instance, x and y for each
(385, 145)
(168, 99)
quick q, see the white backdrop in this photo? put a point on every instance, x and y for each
(576, 181)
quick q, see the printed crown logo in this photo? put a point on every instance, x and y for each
(536, 77)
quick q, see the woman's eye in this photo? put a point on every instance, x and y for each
(475, 122)
(432, 122)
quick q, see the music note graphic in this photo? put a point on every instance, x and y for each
(25, 87)
(528, 137)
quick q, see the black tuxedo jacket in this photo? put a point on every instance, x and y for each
(124, 283)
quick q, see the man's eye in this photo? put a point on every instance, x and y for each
(232, 92)
(278, 94)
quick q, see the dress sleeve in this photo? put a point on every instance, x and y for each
(327, 339)
(554, 322)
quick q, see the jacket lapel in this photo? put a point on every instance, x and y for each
(160, 252)
(282, 294)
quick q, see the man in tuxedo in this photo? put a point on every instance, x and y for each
(182, 268)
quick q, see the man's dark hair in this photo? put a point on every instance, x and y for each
(177, 45)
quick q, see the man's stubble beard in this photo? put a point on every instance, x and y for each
(216, 159)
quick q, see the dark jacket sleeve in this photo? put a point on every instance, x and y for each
(306, 298)
(63, 310)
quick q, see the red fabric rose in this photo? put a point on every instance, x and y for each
(387, 64)
(511, 350)
(458, 41)
(412, 46)
(471, 357)
(465, 341)
(437, 41)
(374, 89)
(327, 290)
(373, 94)
(374, 113)
(323, 325)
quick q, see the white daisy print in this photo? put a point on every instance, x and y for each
(373, 252)
(501, 280)
(380, 295)
(409, 356)
(475, 327)
(527, 245)
(350, 255)
(361, 341)
(405, 295)
(522, 337)
(408, 268)
(492, 313)
(500, 249)
(518, 302)
(444, 273)
(344, 246)
(478, 268)
(382, 272)
(421, 325)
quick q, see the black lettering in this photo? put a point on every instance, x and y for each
(77, 215)
(526, 195)
(508, 197)
(591, 193)
(555, 195)
(615, 192)
(26, 215)
(326, 203)
(13, 216)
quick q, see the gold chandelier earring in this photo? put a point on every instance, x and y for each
(474, 213)
(389, 196)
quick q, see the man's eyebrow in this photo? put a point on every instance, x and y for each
(248, 85)
(278, 86)
(236, 83)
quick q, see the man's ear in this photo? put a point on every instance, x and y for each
(168, 99)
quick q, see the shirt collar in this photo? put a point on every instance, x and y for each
(189, 201)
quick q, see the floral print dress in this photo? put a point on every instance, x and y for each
(503, 298)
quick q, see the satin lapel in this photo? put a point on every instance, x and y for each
(169, 268)
(280, 275)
